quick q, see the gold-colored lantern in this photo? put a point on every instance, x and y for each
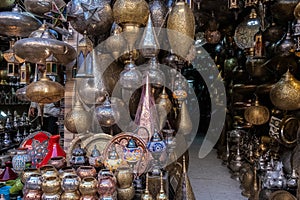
(84, 48)
(285, 94)
(13, 61)
(257, 114)
(51, 66)
(181, 28)
(130, 15)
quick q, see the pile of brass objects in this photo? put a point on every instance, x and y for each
(260, 142)
(115, 51)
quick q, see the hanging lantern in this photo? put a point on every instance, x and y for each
(13, 61)
(38, 7)
(130, 15)
(130, 77)
(25, 73)
(287, 45)
(257, 114)
(106, 114)
(164, 106)
(156, 76)
(51, 66)
(149, 46)
(77, 120)
(181, 20)
(245, 31)
(233, 4)
(116, 43)
(285, 94)
(158, 10)
(249, 3)
(297, 37)
(84, 48)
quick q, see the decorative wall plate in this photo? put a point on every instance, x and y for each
(120, 141)
(100, 140)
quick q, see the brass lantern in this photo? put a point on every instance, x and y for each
(25, 73)
(181, 22)
(13, 60)
(285, 94)
(51, 66)
(257, 114)
(84, 48)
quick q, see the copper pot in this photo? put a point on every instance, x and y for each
(88, 186)
(70, 183)
(51, 196)
(32, 195)
(107, 184)
(66, 171)
(74, 195)
(58, 162)
(48, 171)
(86, 171)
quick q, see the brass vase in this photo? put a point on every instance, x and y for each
(184, 189)
(257, 114)
(184, 122)
(285, 94)
(58, 162)
(126, 193)
(124, 177)
(181, 28)
(78, 120)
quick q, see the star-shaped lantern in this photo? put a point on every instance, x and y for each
(58, 12)
(90, 11)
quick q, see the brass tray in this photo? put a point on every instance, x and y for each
(98, 139)
(74, 143)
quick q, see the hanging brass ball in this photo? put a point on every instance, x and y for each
(285, 94)
(45, 91)
(77, 120)
(257, 114)
(131, 12)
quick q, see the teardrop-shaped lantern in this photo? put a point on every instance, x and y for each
(285, 94)
(163, 106)
(184, 122)
(257, 114)
(77, 120)
(158, 10)
(130, 77)
(156, 76)
(149, 46)
(181, 22)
